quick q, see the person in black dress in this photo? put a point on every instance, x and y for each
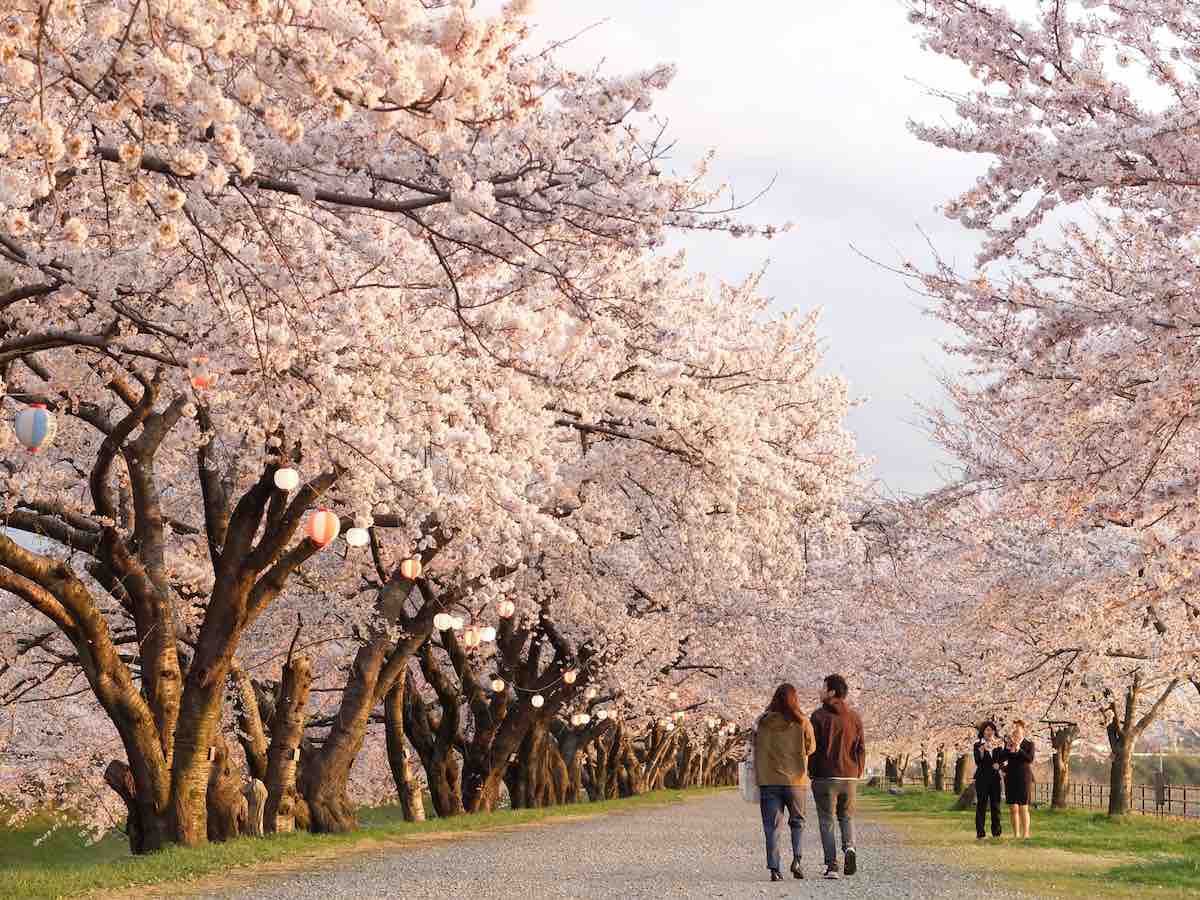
(1016, 760)
(987, 779)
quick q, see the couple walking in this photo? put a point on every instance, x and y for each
(791, 748)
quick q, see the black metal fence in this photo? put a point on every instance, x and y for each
(1170, 800)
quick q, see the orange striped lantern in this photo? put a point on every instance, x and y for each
(411, 569)
(201, 376)
(323, 527)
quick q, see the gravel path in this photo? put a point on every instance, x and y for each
(708, 847)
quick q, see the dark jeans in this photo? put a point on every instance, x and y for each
(987, 795)
(831, 794)
(773, 799)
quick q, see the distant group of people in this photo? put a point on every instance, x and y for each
(1007, 762)
(792, 751)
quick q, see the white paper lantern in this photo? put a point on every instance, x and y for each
(498, 684)
(287, 479)
(674, 695)
(36, 427)
(601, 714)
(584, 718)
(443, 621)
(357, 537)
(590, 693)
(505, 609)
(536, 701)
(487, 634)
(570, 675)
(470, 637)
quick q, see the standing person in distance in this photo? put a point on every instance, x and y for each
(1016, 760)
(835, 768)
(783, 740)
(987, 779)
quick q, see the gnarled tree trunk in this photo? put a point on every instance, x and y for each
(287, 731)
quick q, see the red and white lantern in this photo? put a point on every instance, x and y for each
(323, 527)
(505, 609)
(202, 377)
(411, 568)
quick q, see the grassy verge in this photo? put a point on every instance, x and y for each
(62, 866)
(1072, 854)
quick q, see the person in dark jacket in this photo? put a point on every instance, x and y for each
(987, 779)
(783, 740)
(1016, 760)
(835, 768)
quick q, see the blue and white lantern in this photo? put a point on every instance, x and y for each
(36, 427)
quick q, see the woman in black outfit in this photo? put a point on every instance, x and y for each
(987, 779)
(1016, 759)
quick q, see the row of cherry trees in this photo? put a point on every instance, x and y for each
(1056, 581)
(390, 260)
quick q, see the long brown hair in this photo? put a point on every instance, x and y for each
(786, 702)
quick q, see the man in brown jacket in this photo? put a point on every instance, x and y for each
(835, 768)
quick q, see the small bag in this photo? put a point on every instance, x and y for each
(747, 782)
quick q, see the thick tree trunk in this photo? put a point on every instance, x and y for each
(960, 773)
(408, 788)
(1063, 739)
(226, 807)
(1120, 779)
(287, 731)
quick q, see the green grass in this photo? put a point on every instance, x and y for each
(1073, 853)
(63, 866)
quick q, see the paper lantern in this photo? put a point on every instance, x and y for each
(323, 527)
(670, 726)
(497, 685)
(443, 621)
(287, 479)
(470, 637)
(674, 695)
(202, 377)
(536, 701)
(679, 716)
(411, 568)
(36, 427)
(601, 714)
(487, 634)
(505, 609)
(584, 718)
(570, 675)
(357, 537)
(590, 693)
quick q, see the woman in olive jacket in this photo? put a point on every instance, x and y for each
(783, 741)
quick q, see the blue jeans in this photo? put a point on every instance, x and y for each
(773, 799)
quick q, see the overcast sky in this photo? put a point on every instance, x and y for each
(816, 96)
